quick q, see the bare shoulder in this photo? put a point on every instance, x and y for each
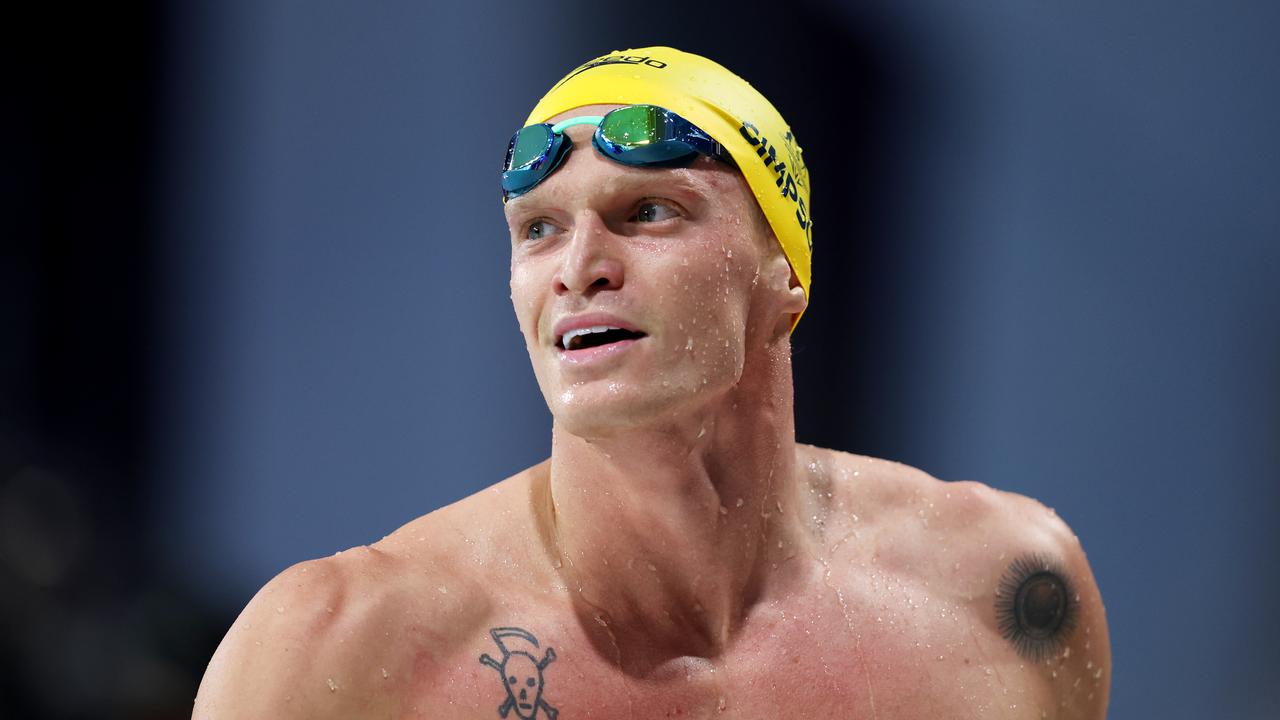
(1009, 560)
(911, 507)
(343, 636)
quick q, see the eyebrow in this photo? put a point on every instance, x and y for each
(674, 179)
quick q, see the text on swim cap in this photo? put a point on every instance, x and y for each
(613, 60)
(786, 182)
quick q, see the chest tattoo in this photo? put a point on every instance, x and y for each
(520, 669)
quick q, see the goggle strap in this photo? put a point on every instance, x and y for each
(560, 127)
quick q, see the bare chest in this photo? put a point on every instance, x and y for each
(880, 651)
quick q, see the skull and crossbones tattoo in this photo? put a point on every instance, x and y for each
(521, 673)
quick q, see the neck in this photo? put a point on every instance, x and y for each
(667, 535)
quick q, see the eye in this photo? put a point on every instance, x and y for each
(539, 229)
(1035, 607)
(654, 211)
(530, 682)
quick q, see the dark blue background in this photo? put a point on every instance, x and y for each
(259, 308)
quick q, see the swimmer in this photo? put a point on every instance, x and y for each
(679, 554)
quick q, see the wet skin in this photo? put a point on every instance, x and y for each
(888, 615)
(678, 556)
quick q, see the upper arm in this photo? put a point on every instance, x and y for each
(284, 656)
(1086, 682)
(1079, 671)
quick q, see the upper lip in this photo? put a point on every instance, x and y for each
(577, 322)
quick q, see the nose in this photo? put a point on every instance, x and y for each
(590, 262)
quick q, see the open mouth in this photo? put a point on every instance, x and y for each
(589, 337)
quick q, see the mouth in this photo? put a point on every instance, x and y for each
(593, 337)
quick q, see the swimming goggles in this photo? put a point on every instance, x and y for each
(637, 135)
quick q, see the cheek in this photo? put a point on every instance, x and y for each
(524, 298)
(711, 295)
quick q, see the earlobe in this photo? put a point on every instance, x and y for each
(797, 299)
(792, 302)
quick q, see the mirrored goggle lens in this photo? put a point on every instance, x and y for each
(635, 126)
(528, 146)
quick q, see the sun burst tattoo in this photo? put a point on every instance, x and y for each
(1036, 607)
(521, 672)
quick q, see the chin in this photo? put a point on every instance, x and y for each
(604, 412)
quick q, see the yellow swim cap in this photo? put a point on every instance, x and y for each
(722, 104)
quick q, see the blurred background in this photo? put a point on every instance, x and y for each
(254, 303)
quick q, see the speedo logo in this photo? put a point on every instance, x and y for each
(786, 182)
(614, 60)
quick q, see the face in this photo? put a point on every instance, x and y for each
(642, 292)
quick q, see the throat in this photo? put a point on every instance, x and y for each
(662, 564)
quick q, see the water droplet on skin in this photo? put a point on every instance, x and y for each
(280, 609)
(689, 344)
(724, 510)
(739, 503)
(443, 590)
(385, 674)
(333, 686)
(721, 705)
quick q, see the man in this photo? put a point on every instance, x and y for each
(679, 555)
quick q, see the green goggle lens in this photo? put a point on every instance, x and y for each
(634, 126)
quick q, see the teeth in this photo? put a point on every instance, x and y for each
(569, 336)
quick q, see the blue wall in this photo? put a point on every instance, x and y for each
(1048, 247)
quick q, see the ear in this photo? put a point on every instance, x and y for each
(797, 294)
(792, 299)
